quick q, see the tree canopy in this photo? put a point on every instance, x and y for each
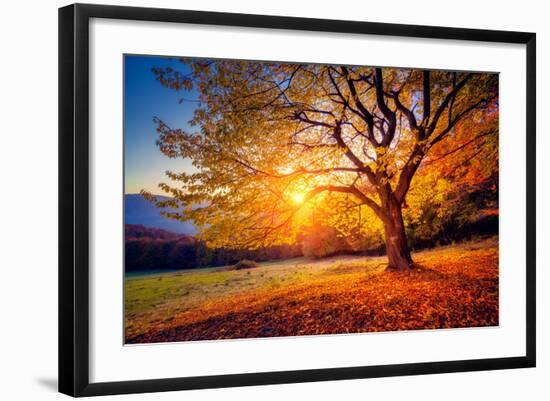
(278, 148)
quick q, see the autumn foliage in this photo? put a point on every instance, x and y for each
(451, 287)
(280, 148)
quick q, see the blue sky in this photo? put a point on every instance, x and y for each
(145, 98)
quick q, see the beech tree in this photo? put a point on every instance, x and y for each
(273, 143)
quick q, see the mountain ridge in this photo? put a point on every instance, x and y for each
(139, 211)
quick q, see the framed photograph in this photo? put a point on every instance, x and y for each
(249, 199)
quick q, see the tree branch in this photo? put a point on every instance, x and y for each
(474, 139)
(352, 157)
(367, 116)
(450, 96)
(386, 111)
(302, 116)
(300, 171)
(403, 109)
(407, 173)
(459, 116)
(349, 190)
(427, 97)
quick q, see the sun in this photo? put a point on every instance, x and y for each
(298, 197)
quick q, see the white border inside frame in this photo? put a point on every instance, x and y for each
(111, 361)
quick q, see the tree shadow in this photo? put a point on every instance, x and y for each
(49, 383)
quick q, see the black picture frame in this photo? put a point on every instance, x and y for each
(74, 199)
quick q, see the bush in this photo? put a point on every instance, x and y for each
(245, 264)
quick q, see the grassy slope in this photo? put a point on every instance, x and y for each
(452, 287)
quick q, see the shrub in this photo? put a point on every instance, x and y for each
(323, 241)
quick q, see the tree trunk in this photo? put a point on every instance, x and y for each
(397, 249)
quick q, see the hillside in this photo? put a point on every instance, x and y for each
(154, 249)
(135, 231)
(139, 211)
(148, 248)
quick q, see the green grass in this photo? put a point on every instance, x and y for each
(156, 298)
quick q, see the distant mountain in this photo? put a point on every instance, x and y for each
(139, 211)
(148, 249)
(138, 231)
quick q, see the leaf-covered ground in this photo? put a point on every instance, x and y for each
(452, 287)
